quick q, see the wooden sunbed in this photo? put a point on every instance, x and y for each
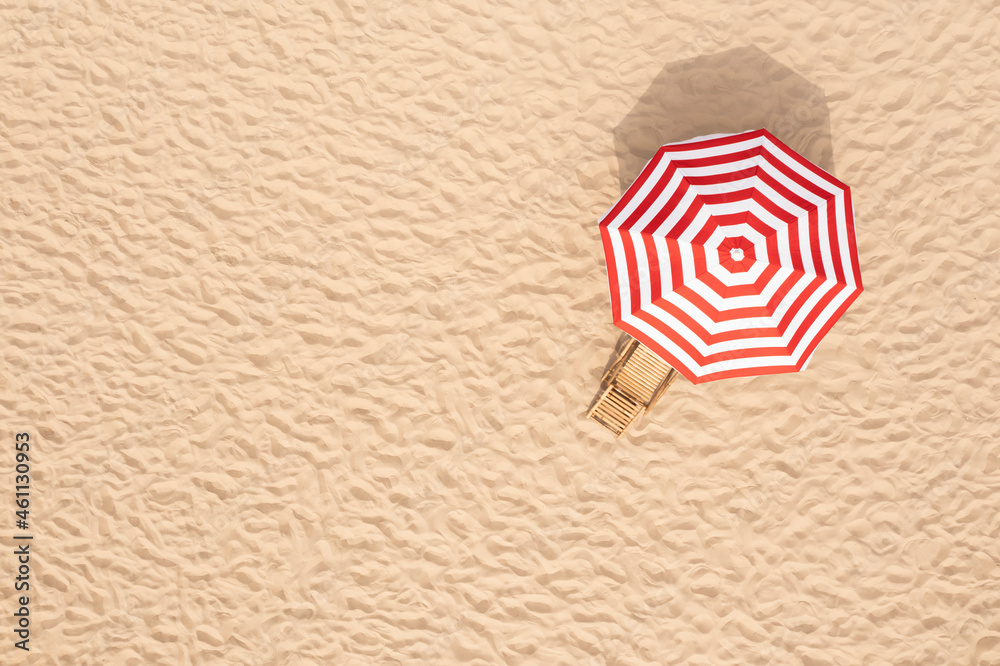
(631, 387)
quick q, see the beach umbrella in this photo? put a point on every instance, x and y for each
(731, 256)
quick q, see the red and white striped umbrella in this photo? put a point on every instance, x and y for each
(731, 256)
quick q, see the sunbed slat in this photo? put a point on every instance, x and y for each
(641, 368)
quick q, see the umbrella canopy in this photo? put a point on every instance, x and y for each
(731, 255)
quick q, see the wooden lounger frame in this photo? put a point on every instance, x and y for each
(631, 387)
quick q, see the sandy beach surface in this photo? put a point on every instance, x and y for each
(304, 304)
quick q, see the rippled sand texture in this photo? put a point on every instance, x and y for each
(304, 306)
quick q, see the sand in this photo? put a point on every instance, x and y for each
(304, 305)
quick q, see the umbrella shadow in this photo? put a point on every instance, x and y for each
(733, 91)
